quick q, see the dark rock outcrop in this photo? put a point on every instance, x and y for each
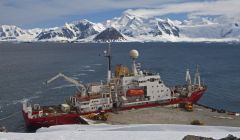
(109, 34)
(63, 32)
(230, 137)
(192, 137)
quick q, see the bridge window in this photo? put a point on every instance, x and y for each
(152, 79)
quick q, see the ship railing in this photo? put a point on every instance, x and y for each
(27, 107)
(140, 102)
(197, 87)
(89, 97)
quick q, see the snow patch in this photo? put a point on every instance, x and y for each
(119, 132)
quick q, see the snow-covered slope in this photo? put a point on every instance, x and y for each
(205, 28)
(122, 132)
(14, 33)
(137, 26)
(133, 28)
(70, 32)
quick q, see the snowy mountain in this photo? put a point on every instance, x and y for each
(14, 33)
(132, 28)
(136, 26)
(206, 28)
(70, 32)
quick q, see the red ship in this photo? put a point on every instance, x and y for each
(127, 89)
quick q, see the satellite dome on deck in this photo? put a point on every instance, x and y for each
(134, 54)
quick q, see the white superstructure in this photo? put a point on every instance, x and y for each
(123, 90)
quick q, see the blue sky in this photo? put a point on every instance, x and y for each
(50, 13)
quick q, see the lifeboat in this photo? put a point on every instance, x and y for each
(135, 92)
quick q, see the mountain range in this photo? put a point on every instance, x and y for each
(129, 28)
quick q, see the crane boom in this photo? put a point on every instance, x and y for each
(71, 80)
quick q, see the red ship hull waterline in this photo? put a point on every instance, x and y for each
(74, 118)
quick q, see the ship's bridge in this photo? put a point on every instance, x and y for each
(150, 82)
(153, 86)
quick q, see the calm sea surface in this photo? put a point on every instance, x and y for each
(25, 67)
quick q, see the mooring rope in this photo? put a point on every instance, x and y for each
(4, 118)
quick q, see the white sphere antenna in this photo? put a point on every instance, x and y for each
(134, 54)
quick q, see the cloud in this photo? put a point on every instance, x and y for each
(26, 12)
(228, 8)
(30, 11)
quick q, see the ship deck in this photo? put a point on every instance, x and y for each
(54, 110)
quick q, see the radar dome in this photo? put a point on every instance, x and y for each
(134, 54)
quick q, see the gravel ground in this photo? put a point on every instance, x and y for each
(173, 115)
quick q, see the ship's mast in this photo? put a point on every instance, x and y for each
(197, 80)
(188, 77)
(109, 57)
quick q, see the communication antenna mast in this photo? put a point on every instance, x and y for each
(134, 55)
(107, 54)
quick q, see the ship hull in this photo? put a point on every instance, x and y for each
(74, 118)
(50, 120)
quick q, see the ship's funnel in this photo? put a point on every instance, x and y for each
(134, 55)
